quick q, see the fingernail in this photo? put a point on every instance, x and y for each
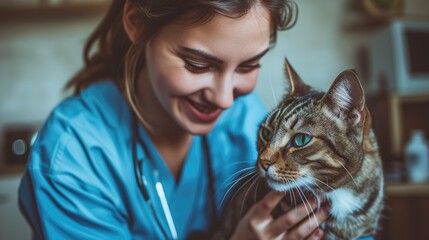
(319, 233)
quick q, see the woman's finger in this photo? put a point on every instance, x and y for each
(255, 222)
(316, 234)
(292, 217)
(264, 207)
(307, 227)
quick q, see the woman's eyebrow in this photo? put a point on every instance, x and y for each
(257, 56)
(202, 54)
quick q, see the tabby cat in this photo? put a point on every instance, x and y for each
(319, 145)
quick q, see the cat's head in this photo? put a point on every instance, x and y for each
(314, 138)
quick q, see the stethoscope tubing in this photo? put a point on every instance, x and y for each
(140, 179)
(142, 184)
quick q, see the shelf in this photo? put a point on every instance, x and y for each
(407, 189)
(17, 13)
(365, 25)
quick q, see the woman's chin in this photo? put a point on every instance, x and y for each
(199, 129)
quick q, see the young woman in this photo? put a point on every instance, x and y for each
(163, 120)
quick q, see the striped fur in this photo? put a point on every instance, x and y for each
(339, 164)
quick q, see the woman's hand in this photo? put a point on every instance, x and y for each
(297, 223)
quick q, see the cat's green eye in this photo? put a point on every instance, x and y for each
(301, 139)
(266, 134)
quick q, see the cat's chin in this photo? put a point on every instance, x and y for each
(301, 183)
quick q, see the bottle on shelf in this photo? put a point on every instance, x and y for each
(417, 157)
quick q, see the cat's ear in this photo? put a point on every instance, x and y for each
(346, 98)
(296, 85)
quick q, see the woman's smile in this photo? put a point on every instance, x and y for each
(201, 112)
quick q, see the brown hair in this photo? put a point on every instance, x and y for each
(109, 54)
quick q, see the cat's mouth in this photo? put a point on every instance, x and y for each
(284, 177)
(281, 180)
(283, 184)
(277, 184)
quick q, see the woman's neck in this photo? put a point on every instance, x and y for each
(170, 140)
(171, 143)
(173, 151)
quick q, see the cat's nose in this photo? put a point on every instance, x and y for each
(265, 163)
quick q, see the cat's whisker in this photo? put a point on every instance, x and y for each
(293, 187)
(302, 200)
(292, 194)
(233, 185)
(241, 171)
(236, 181)
(318, 198)
(312, 192)
(261, 108)
(244, 184)
(256, 190)
(248, 162)
(349, 174)
(247, 192)
(306, 202)
(272, 91)
(339, 199)
(300, 193)
(323, 183)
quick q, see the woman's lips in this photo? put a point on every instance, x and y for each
(202, 113)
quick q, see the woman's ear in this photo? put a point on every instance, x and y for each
(132, 25)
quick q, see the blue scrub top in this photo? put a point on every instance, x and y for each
(80, 181)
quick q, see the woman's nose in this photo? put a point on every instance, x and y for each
(221, 91)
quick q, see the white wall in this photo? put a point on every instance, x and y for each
(316, 48)
(36, 59)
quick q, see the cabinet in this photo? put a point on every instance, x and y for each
(395, 116)
(406, 214)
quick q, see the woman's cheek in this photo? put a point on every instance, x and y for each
(246, 84)
(180, 82)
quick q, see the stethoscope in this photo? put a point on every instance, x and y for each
(142, 183)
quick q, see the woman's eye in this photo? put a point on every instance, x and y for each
(301, 139)
(266, 134)
(197, 68)
(248, 68)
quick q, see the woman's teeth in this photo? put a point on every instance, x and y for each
(202, 109)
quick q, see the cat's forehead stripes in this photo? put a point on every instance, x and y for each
(299, 104)
(293, 123)
(271, 117)
(330, 115)
(290, 107)
(290, 111)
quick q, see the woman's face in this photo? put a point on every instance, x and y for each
(194, 73)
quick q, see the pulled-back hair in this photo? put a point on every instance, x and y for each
(109, 53)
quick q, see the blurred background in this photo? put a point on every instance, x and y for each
(385, 41)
